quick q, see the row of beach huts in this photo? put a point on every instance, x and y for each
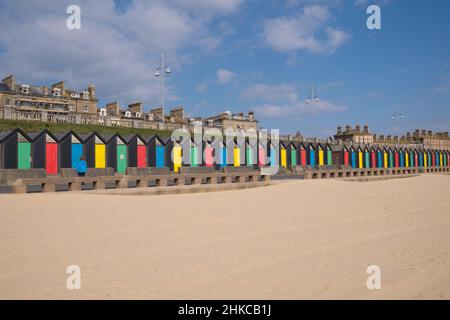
(52, 152)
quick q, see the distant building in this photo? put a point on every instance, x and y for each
(55, 101)
(356, 135)
(228, 120)
(20, 101)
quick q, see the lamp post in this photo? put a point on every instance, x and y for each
(311, 100)
(397, 116)
(161, 71)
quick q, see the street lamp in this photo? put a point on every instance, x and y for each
(397, 116)
(311, 100)
(161, 71)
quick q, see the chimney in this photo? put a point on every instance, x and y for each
(91, 90)
(430, 133)
(177, 112)
(358, 128)
(135, 107)
(113, 109)
(408, 135)
(366, 129)
(382, 137)
(10, 81)
(158, 112)
(59, 85)
(348, 128)
(424, 132)
(339, 130)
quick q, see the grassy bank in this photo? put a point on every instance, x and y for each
(34, 126)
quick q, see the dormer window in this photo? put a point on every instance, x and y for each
(57, 92)
(138, 114)
(25, 89)
(127, 114)
(86, 95)
(172, 119)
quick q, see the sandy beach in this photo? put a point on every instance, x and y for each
(291, 240)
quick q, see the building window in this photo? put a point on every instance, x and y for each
(85, 95)
(86, 109)
(71, 107)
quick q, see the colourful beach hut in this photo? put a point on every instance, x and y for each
(396, 158)
(401, 155)
(156, 152)
(70, 149)
(420, 157)
(223, 155)
(320, 154)
(340, 155)
(292, 154)
(15, 150)
(311, 155)
(208, 154)
(44, 151)
(283, 154)
(303, 150)
(251, 149)
(390, 157)
(407, 157)
(328, 152)
(360, 158)
(116, 152)
(366, 157)
(136, 151)
(438, 159)
(174, 153)
(261, 154)
(94, 150)
(353, 157)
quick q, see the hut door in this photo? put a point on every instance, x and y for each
(160, 157)
(121, 158)
(237, 157)
(24, 155)
(77, 152)
(293, 158)
(283, 158)
(261, 156)
(51, 158)
(141, 156)
(100, 155)
(249, 156)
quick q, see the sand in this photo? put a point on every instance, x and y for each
(290, 240)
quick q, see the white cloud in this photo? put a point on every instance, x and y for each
(271, 93)
(301, 32)
(116, 50)
(283, 101)
(210, 7)
(225, 76)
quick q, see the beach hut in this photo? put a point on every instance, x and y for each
(116, 152)
(390, 157)
(303, 148)
(94, 150)
(396, 158)
(320, 155)
(174, 153)
(433, 158)
(70, 149)
(360, 157)
(420, 158)
(283, 153)
(328, 151)
(292, 154)
(311, 155)
(136, 151)
(340, 155)
(156, 153)
(366, 157)
(261, 154)
(438, 158)
(379, 157)
(208, 153)
(385, 157)
(373, 157)
(401, 155)
(195, 153)
(251, 150)
(406, 151)
(15, 150)
(44, 151)
(353, 157)
(223, 154)
(416, 158)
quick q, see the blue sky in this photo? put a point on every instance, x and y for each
(243, 55)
